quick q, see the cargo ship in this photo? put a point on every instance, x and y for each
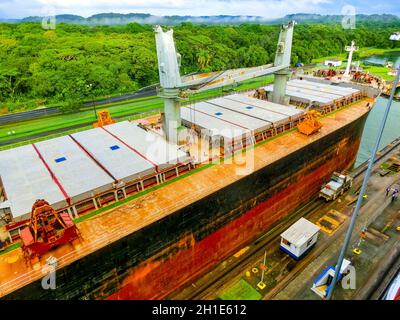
(151, 219)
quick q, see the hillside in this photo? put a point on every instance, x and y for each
(143, 18)
(74, 63)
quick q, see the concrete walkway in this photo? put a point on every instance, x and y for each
(377, 205)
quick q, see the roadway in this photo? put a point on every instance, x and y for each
(38, 113)
(73, 127)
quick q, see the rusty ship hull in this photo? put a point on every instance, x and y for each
(157, 259)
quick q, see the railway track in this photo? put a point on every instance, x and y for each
(73, 127)
(382, 153)
(257, 247)
(38, 113)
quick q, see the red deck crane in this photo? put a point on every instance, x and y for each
(46, 230)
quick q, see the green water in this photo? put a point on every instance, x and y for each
(391, 132)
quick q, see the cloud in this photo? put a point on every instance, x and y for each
(264, 8)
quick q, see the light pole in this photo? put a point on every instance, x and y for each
(364, 185)
(89, 88)
(265, 260)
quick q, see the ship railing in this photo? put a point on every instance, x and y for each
(221, 95)
(107, 238)
(18, 282)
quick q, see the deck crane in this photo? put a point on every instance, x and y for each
(47, 229)
(172, 85)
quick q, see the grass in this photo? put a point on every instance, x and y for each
(35, 126)
(140, 105)
(241, 290)
(385, 166)
(67, 132)
(50, 136)
(363, 52)
(380, 71)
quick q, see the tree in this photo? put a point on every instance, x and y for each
(55, 65)
(203, 59)
(10, 82)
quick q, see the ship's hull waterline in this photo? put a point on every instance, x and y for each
(156, 260)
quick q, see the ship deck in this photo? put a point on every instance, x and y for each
(104, 228)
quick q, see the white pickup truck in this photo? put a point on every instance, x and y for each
(336, 187)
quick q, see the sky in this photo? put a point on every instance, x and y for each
(269, 9)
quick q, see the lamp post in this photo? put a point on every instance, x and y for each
(364, 184)
(89, 88)
(350, 49)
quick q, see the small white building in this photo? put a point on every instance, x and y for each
(333, 63)
(299, 238)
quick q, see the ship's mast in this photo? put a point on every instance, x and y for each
(350, 50)
(171, 82)
(282, 58)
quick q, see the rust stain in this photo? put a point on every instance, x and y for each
(110, 226)
(187, 264)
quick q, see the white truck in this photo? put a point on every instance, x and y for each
(338, 184)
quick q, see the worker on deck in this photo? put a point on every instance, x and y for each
(387, 190)
(395, 194)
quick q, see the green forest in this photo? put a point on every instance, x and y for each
(75, 63)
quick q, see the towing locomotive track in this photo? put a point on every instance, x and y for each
(392, 274)
(256, 249)
(258, 246)
(379, 292)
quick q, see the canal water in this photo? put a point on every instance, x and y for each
(391, 132)
(392, 129)
(383, 59)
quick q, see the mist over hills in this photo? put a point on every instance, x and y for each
(143, 18)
